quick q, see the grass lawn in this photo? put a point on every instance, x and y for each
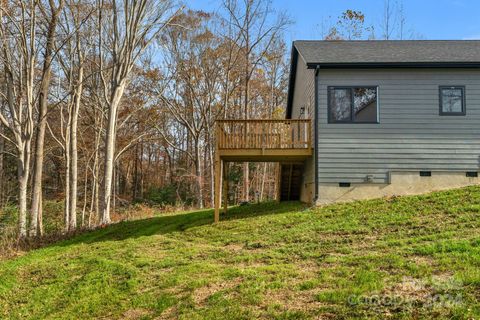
(409, 257)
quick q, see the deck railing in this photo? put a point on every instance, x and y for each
(264, 134)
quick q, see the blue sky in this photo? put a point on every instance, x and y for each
(432, 19)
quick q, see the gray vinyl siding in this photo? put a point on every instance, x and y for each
(410, 135)
(304, 96)
(304, 91)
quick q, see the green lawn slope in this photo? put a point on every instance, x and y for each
(407, 257)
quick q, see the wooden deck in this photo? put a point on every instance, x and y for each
(258, 141)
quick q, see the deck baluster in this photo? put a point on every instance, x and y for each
(264, 134)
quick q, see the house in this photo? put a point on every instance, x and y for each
(386, 118)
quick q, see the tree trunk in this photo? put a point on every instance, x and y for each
(246, 171)
(211, 164)
(95, 200)
(114, 186)
(42, 120)
(170, 166)
(262, 182)
(110, 140)
(141, 170)
(135, 175)
(85, 193)
(73, 177)
(38, 164)
(68, 175)
(2, 174)
(22, 206)
(40, 218)
(198, 174)
(23, 168)
(74, 152)
(108, 166)
(96, 184)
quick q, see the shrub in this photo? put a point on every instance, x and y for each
(8, 228)
(161, 196)
(52, 225)
(53, 220)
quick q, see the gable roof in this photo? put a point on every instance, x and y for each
(389, 51)
(382, 53)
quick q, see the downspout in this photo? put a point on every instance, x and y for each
(315, 137)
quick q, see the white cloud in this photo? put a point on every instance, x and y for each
(472, 37)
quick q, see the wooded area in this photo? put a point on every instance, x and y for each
(110, 102)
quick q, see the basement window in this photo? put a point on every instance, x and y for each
(352, 105)
(452, 101)
(425, 173)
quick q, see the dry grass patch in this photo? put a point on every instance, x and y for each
(136, 314)
(201, 295)
(292, 300)
(423, 260)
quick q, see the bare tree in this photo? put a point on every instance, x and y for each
(388, 23)
(275, 68)
(2, 151)
(77, 30)
(51, 16)
(132, 26)
(402, 21)
(194, 87)
(19, 52)
(394, 22)
(82, 72)
(257, 26)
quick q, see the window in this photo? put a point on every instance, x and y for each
(452, 101)
(352, 105)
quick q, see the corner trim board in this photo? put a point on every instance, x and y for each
(315, 132)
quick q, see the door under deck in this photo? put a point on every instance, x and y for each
(290, 181)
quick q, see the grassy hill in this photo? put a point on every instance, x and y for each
(409, 257)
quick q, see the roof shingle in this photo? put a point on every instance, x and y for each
(389, 51)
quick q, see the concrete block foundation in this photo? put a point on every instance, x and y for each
(401, 183)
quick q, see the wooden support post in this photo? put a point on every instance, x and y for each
(218, 172)
(290, 181)
(279, 182)
(225, 187)
(217, 180)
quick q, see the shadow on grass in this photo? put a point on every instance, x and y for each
(179, 222)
